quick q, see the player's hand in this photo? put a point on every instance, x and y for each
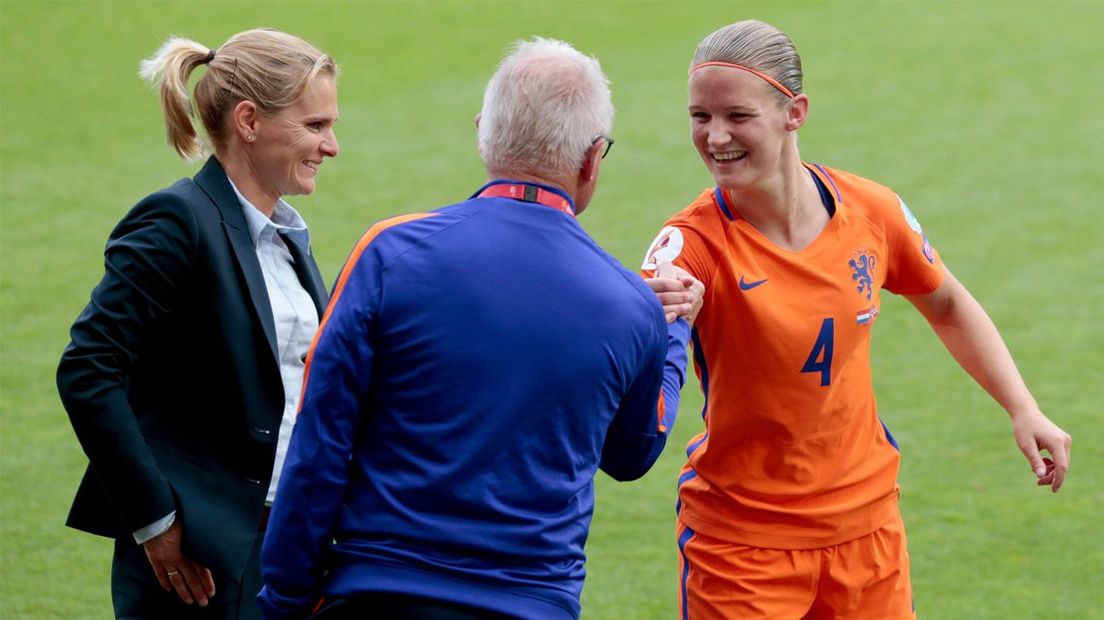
(192, 582)
(679, 293)
(1035, 433)
(697, 289)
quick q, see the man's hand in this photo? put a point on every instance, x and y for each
(192, 582)
(679, 293)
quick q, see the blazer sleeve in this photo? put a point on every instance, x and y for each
(148, 260)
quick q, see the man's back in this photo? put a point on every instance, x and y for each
(475, 368)
(483, 351)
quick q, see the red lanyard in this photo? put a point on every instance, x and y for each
(528, 193)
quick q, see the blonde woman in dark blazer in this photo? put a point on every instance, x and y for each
(183, 374)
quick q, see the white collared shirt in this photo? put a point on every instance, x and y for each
(293, 309)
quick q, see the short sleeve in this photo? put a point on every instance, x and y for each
(684, 241)
(915, 268)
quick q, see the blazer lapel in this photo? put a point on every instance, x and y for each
(307, 270)
(212, 179)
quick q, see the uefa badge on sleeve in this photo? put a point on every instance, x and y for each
(914, 224)
(929, 253)
(665, 249)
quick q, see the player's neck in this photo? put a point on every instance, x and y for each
(785, 208)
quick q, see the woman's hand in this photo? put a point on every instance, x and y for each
(1035, 433)
(192, 582)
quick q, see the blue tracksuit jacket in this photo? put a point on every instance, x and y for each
(476, 366)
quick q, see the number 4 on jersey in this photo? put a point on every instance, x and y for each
(820, 359)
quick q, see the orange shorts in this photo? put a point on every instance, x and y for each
(860, 579)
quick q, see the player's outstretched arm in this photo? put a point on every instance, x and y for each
(973, 340)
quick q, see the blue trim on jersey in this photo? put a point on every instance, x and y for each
(683, 479)
(694, 446)
(687, 477)
(718, 196)
(687, 534)
(825, 195)
(889, 436)
(839, 197)
(699, 361)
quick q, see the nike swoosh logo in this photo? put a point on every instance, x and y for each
(747, 286)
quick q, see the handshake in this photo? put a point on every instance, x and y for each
(679, 293)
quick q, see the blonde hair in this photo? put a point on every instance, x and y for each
(757, 45)
(268, 67)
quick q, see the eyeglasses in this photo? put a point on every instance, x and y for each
(609, 143)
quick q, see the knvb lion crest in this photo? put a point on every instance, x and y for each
(862, 272)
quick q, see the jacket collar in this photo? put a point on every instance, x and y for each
(213, 181)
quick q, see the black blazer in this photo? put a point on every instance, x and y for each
(171, 380)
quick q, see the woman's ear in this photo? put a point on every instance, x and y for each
(797, 111)
(244, 118)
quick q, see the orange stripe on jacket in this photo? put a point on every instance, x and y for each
(661, 408)
(354, 257)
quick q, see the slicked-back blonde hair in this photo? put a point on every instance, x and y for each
(268, 67)
(757, 45)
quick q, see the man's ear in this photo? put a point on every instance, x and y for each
(588, 172)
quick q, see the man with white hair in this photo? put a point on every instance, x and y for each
(477, 365)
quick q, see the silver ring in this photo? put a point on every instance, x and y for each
(172, 572)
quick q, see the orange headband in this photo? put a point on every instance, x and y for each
(768, 79)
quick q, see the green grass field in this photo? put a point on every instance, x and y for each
(986, 117)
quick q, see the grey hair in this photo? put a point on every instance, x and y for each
(757, 45)
(265, 66)
(543, 108)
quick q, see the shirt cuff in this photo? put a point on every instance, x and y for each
(155, 529)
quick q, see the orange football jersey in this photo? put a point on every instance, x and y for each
(794, 455)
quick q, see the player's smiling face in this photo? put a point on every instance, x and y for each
(737, 123)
